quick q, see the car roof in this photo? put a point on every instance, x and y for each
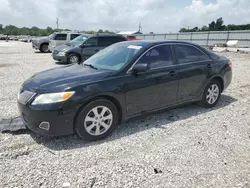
(68, 32)
(108, 35)
(155, 42)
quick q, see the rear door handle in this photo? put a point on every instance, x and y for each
(172, 73)
(96, 50)
(209, 66)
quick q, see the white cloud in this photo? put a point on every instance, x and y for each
(155, 15)
(198, 13)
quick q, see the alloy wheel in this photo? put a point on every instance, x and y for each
(73, 59)
(98, 120)
(212, 94)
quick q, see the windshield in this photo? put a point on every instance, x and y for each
(78, 40)
(113, 57)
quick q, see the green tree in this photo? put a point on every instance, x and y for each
(182, 30)
(212, 26)
(204, 28)
(90, 32)
(219, 24)
(100, 31)
(49, 30)
(1, 28)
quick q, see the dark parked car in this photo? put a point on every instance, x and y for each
(79, 50)
(124, 80)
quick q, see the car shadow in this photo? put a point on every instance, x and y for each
(39, 52)
(61, 63)
(142, 123)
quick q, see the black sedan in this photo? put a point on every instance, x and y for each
(122, 81)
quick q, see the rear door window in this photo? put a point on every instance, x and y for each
(189, 54)
(73, 36)
(60, 37)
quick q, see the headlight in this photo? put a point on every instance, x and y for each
(49, 98)
(61, 54)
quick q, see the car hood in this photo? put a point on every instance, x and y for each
(61, 78)
(41, 38)
(63, 47)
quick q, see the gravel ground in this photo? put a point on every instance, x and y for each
(184, 147)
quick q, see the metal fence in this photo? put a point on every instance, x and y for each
(203, 38)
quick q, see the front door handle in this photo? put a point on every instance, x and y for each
(172, 73)
(209, 66)
(96, 50)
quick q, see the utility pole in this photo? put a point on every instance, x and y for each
(57, 23)
(140, 28)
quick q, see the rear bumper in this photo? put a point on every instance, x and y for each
(227, 78)
(35, 46)
(59, 123)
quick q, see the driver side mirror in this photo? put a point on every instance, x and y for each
(140, 68)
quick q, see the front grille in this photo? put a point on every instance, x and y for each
(25, 97)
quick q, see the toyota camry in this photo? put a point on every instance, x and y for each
(122, 81)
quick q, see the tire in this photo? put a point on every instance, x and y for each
(211, 94)
(44, 48)
(73, 58)
(90, 120)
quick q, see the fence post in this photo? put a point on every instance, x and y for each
(208, 37)
(177, 36)
(153, 36)
(165, 36)
(191, 37)
(228, 35)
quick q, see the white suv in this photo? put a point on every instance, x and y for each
(59, 38)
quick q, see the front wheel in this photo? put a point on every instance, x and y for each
(211, 94)
(96, 120)
(73, 58)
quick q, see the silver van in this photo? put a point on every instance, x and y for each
(59, 38)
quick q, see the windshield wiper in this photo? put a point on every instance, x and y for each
(89, 65)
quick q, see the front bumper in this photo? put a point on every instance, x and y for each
(60, 123)
(59, 58)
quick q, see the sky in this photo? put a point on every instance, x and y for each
(158, 16)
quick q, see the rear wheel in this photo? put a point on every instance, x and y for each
(73, 58)
(97, 120)
(211, 94)
(44, 48)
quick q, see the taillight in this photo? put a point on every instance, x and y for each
(229, 64)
